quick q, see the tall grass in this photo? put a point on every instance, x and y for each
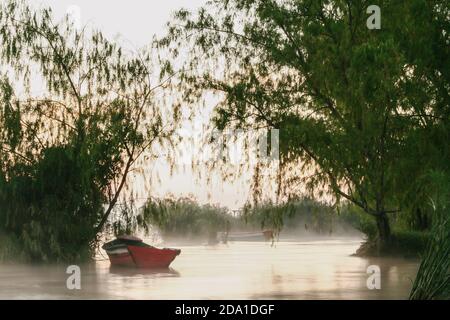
(433, 277)
(296, 215)
(185, 218)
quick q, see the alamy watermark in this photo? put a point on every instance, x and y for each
(374, 280)
(374, 20)
(233, 147)
(73, 282)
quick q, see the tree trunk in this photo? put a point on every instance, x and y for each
(384, 231)
(115, 198)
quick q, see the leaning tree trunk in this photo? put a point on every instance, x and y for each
(384, 231)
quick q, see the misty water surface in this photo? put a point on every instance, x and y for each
(290, 269)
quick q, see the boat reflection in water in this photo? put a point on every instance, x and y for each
(132, 272)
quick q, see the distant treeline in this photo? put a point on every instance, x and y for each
(185, 218)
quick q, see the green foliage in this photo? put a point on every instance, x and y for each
(359, 220)
(53, 206)
(296, 215)
(66, 153)
(185, 218)
(358, 109)
(10, 250)
(409, 243)
(433, 278)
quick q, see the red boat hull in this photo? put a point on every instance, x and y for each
(129, 251)
(149, 257)
(123, 260)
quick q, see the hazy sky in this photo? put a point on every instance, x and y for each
(135, 22)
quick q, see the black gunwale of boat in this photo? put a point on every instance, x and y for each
(123, 243)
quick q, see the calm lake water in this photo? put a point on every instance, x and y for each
(290, 269)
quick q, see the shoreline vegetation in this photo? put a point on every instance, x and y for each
(363, 120)
(185, 218)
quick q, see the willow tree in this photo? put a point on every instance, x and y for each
(77, 115)
(340, 93)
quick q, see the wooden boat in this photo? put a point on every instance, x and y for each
(129, 251)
